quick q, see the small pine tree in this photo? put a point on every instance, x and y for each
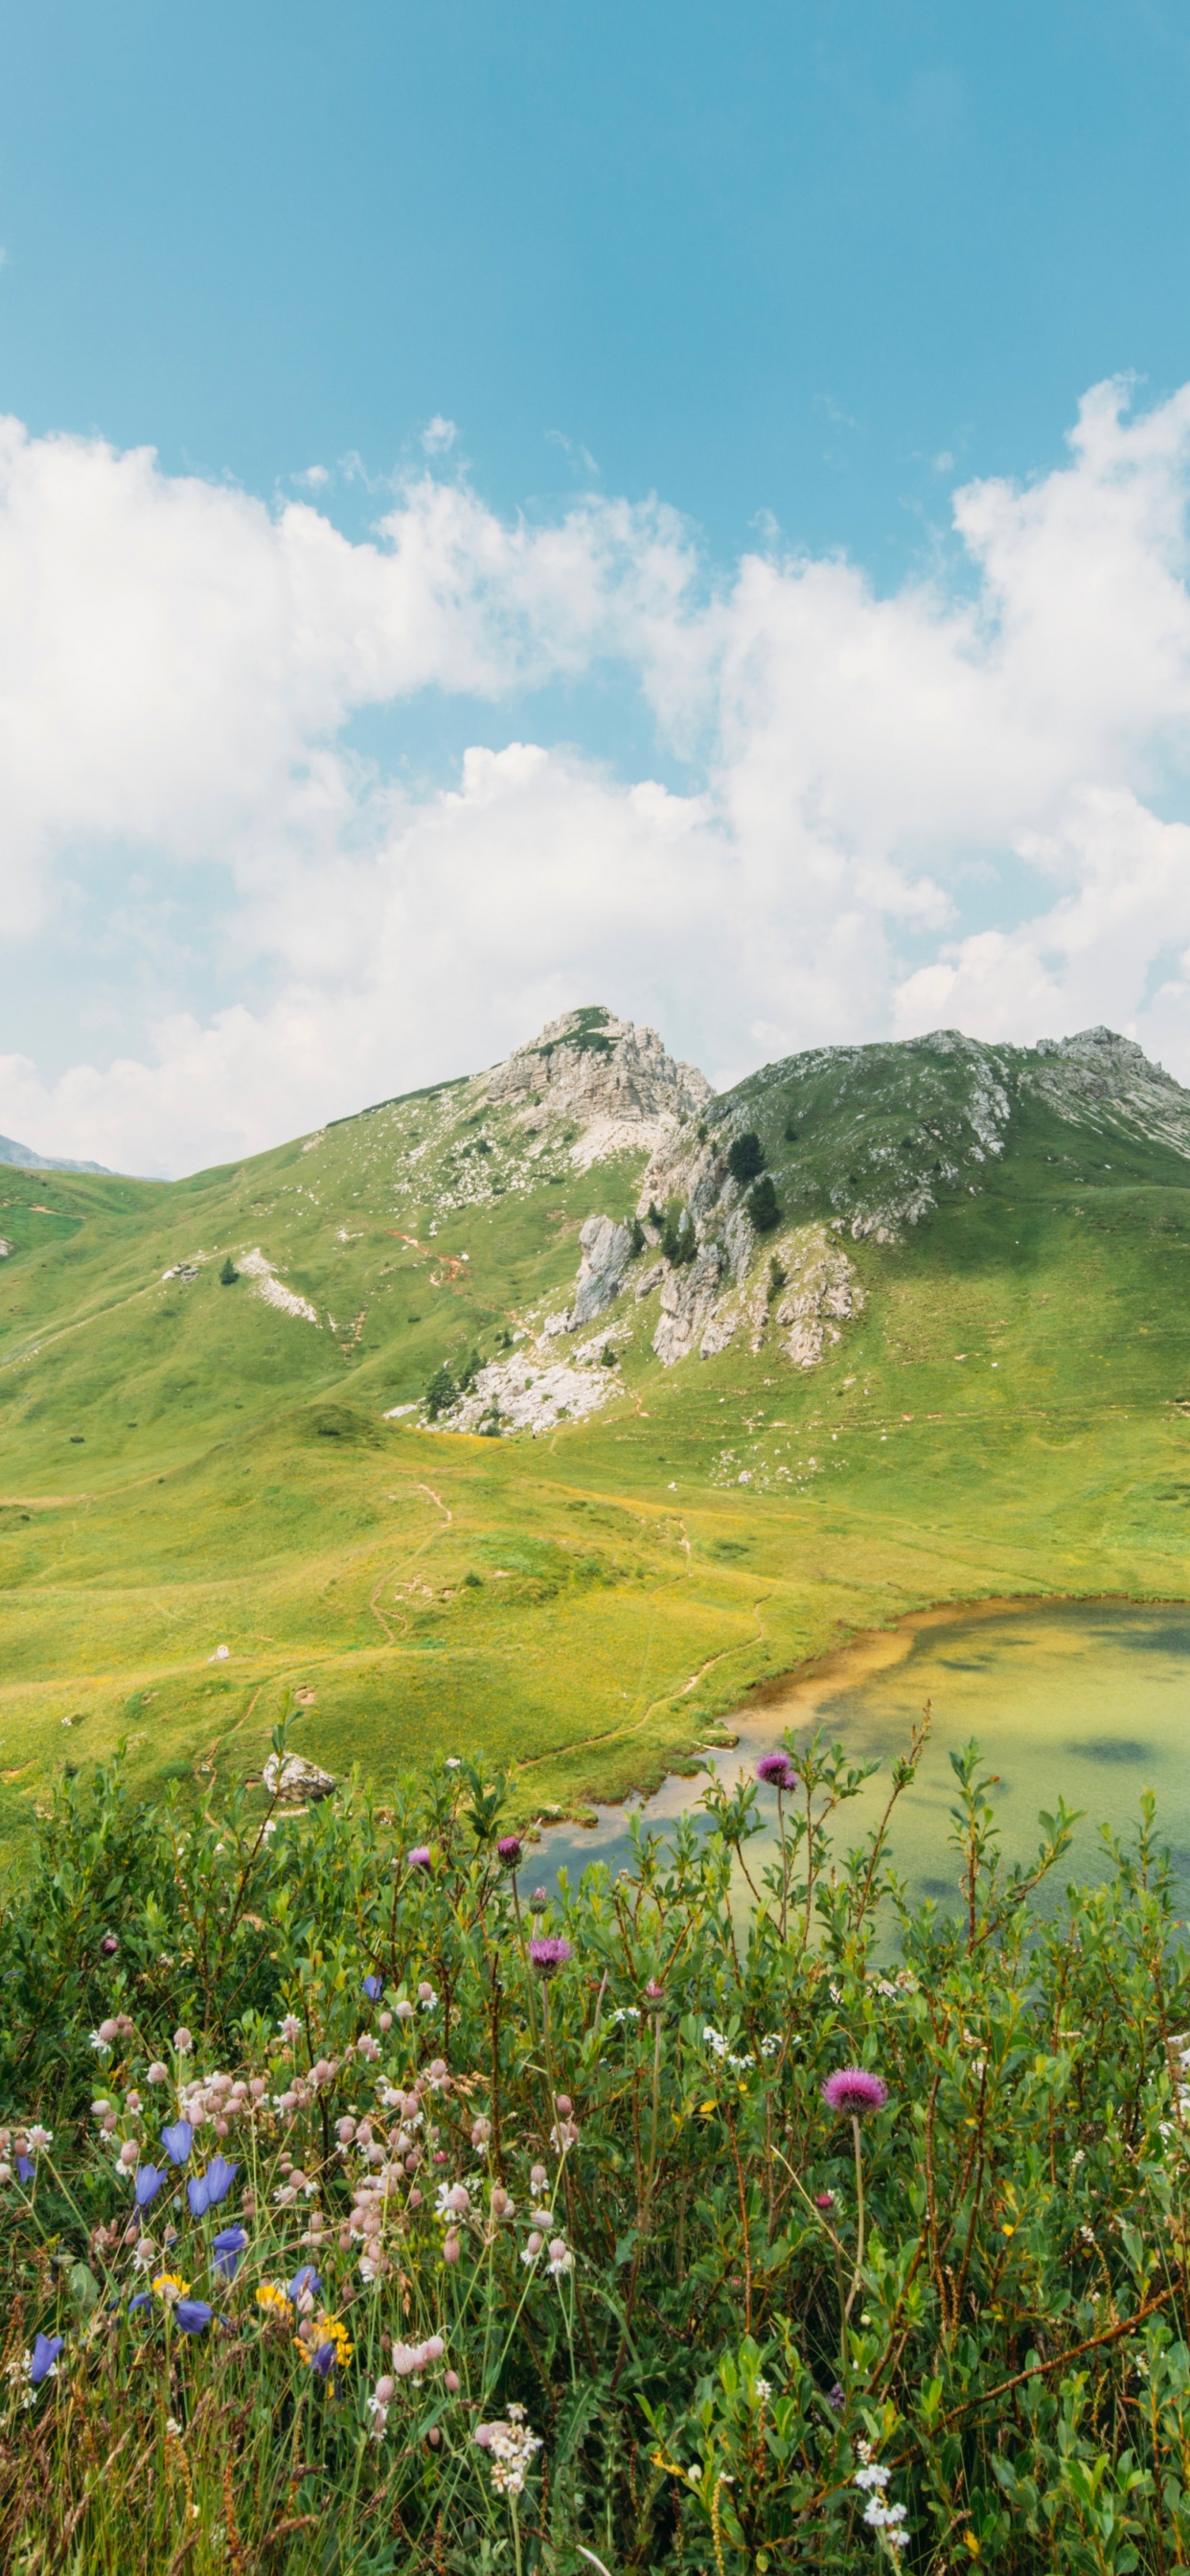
(229, 1274)
(777, 1277)
(762, 1205)
(679, 1242)
(638, 1237)
(441, 1392)
(745, 1157)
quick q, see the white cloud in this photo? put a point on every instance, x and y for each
(438, 435)
(178, 667)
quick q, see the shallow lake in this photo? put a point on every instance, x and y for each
(1089, 1701)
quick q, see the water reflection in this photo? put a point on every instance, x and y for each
(1089, 1701)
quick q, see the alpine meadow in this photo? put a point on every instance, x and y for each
(366, 2208)
(886, 1326)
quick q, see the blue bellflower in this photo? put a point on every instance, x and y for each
(373, 1988)
(228, 2247)
(149, 2179)
(45, 2353)
(177, 2141)
(205, 2190)
(193, 2315)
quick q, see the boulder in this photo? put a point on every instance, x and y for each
(296, 1782)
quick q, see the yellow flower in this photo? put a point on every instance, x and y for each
(170, 2287)
(325, 2329)
(272, 2298)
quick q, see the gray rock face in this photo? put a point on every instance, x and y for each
(606, 1250)
(688, 1298)
(296, 1782)
(618, 1083)
(1101, 1080)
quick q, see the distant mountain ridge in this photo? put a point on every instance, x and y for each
(27, 1161)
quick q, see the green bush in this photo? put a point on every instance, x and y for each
(762, 1205)
(441, 1392)
(745, 1156)
(229, 1274)
(589, 2203)
(679, 1242)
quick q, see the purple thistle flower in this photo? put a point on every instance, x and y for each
(852, 2090)
(227, 2249)
(777, 1771)
(373, 1988)
(549, 1953)
(109, 1945)
(45, 2353)
(177, 2141)
(193, 2315)
(306, 2279)
(835, 2396)
(509, 1849)
(149, 2179)
(419, 1857)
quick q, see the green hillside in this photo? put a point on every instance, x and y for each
(987, 1250)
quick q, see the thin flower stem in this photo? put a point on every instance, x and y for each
(859, 2209)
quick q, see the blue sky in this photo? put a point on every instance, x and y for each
(799, 274)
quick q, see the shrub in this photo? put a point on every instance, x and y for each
(778, 1277)
(745, 1156)
(762, 1206)
(229, 1274)
(358, 2214)
(441, 1392)
(679, 1242)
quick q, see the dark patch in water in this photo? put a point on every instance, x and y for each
(1150, 1641)
(1113, 1748)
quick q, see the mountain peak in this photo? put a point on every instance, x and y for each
(618, 1082)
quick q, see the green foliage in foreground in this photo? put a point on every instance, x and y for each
(604, 2213)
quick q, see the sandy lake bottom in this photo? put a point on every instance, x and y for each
(1085, 1700)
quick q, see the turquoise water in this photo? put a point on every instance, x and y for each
(1089, 1701)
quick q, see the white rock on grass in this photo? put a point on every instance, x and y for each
(512, 1395)
(295, 1782)
(273, 1290)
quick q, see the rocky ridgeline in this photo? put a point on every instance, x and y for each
(847, 1142)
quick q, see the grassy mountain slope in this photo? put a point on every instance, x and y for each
(188, 1465)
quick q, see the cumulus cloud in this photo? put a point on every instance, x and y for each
(181, 667)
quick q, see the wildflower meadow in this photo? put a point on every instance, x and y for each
(363, 2208)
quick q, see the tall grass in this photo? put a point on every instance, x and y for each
(559, 2258)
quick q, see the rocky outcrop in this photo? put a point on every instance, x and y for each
(688, 1297)
(821, 1293)
(1100, 1080)
(518, 1395)
(606, 1253)
(296, 1782)
(617, 1082)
